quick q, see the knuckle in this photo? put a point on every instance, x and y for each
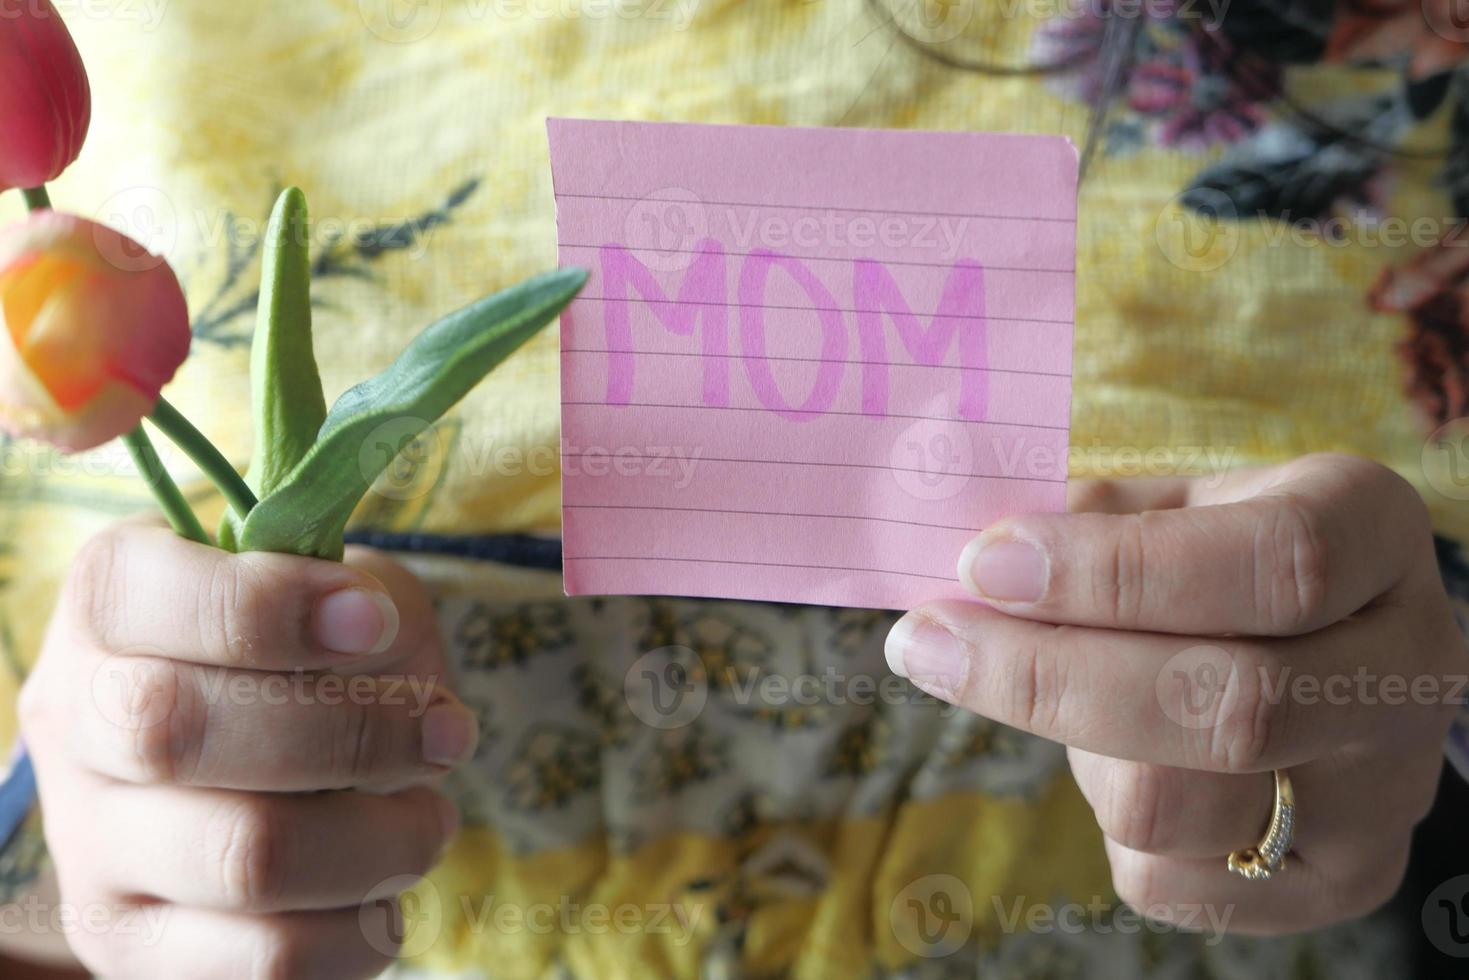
(1119, 583)
(234, 615)
(162, 724)
(1131, 809)
(90, 590)
(1291, 565)
(245, 841)
(1246, 720)
(361, 748)
(1039, 690)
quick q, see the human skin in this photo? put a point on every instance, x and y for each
(1324, 564)
(184, 762)
(1185, 637)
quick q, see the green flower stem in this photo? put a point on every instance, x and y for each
(172, 423)
(175, 507)
(37, 199)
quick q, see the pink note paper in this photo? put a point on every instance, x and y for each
(810, 364)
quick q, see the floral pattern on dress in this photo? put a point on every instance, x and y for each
(1194, 84)
(492, 640)
(1185, 87)
(553, 764)
(682, 758)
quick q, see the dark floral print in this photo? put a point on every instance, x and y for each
(1432, 289)
(1195, 85)
(552, 765)
(1186, 85)
(1197, 98)
(495, 641)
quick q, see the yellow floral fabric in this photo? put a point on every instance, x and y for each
(417, 131)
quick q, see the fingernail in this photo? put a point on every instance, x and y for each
(449, 734)
(928, 655)
(356, 621)
(1004, 569)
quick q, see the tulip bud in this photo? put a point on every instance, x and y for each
(45, 102)
(86, 342)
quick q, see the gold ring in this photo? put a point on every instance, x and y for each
(1267, 857)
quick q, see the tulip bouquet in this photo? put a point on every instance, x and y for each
(95, 326)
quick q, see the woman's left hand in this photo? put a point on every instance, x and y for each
(1183, 639)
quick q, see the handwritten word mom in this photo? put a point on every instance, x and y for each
(703, 306)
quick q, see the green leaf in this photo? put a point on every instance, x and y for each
(286, 398)
(371, 423)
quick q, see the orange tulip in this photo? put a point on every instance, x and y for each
(45, 102)
(91, 333)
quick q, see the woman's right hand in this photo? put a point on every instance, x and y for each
(244, 746)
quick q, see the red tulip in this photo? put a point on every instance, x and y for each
(45, 102)
(90, 334)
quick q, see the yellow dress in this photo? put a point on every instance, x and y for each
(746, 836)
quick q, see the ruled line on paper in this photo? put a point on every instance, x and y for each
(816, 258)
(811, 360)
(584, 453)
(813, 414)
(757, 564)
(772, 513)
(815, 309)
(831, 473)
(818, 207)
